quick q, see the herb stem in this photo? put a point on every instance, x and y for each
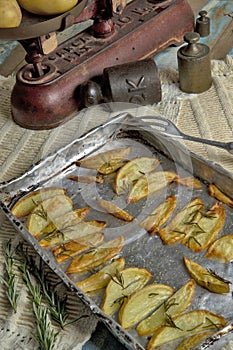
(9, 278)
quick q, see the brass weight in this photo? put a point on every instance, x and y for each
(194, 65)
(203, 24)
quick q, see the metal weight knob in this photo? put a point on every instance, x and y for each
(133, 82)
(203, 24)
(194, 65)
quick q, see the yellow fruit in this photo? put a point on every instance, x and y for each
(10, 14)
(45, 7)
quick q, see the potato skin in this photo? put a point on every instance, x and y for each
(10, 14)
(47, 8)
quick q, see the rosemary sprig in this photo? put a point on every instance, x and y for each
(216, 325)
(118, 279)
(57, 306)
(9, 278)
(41, 213)
(214, 274)
(193, 238)
(151, 295)
(169, 303)
(170, 323)
(45, 336)
(56, 233)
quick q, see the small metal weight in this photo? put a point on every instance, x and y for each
(134, 82)
(194, 65)
(203, 24)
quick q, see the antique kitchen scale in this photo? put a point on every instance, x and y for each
(47, 88)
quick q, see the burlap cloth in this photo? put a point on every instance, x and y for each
(208, 115)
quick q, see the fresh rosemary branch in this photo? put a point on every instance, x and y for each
(57, 306)
(9, 278)
(45, 336)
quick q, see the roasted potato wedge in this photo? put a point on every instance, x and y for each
(132, 171)
(189, 181)
(174, 305)
(205, 278)
(87, 179)
(139, 304)
(100, 279)
(106, 162)
(47, 211)
(186, 324)
(114, 210)
(67, 250)
(182, 223)
(97, 256)
(207, 228)
(27, 203)
(215, 192)
(159, 215)
(221, 249)
(123, 285)
(149, 184)
(66, 220)
(77, 231)
(192, 341)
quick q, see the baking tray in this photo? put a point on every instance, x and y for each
(140, 249)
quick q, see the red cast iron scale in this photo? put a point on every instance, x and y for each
(142, 29)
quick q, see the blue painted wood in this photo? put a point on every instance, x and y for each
(6, 47)
(168, 58)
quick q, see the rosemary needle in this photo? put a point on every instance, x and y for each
(9, 278)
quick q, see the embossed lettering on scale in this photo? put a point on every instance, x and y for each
(78, 48)
(136, 90)
(86, 43)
